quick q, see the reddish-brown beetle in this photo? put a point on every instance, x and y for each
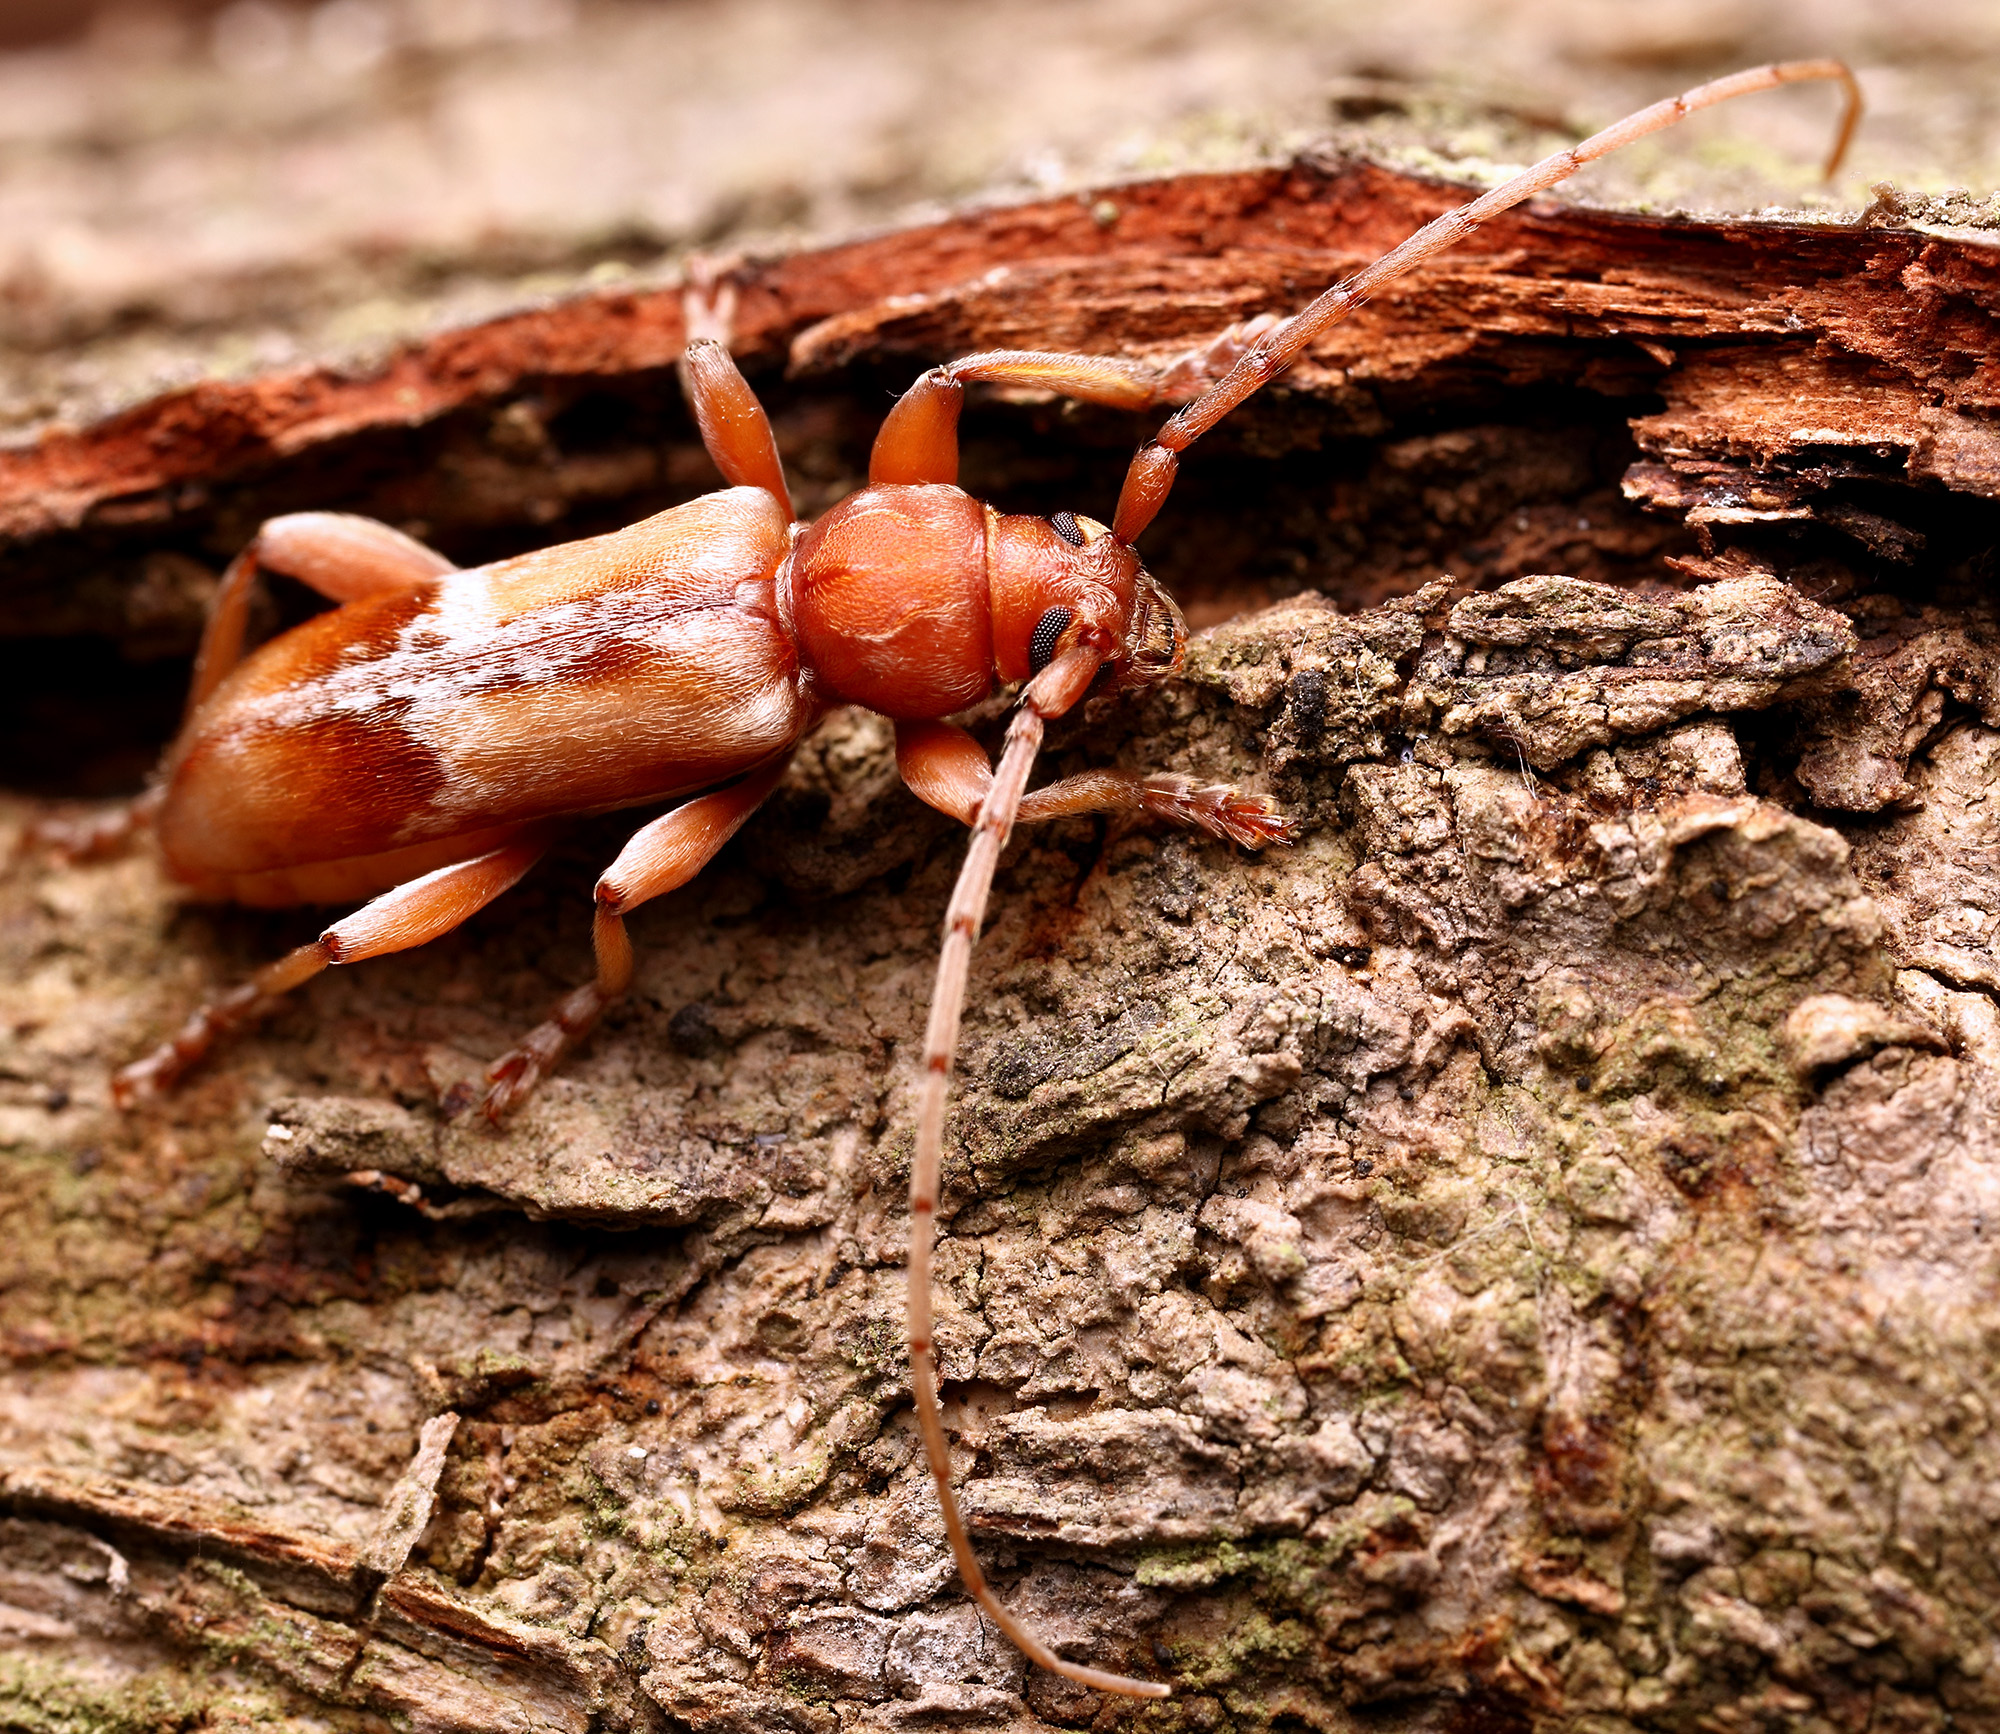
(421, 740)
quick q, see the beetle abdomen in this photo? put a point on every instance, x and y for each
(589, 676)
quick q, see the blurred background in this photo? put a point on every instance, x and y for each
(291, 174)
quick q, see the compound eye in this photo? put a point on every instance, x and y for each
(1065, 525)
(1048, 632)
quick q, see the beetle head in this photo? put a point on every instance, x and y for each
(1062, 581)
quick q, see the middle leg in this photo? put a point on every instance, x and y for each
(733, 424)
(660, 857)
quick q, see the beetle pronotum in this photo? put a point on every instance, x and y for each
(420, 741)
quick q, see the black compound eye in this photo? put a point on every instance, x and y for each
(1065, 525)
(1050, 628)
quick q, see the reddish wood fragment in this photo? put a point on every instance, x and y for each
(1887, 337)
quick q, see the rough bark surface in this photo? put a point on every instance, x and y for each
(1519, 1259)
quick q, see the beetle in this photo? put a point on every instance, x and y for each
(419, 743)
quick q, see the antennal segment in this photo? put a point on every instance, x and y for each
(1151, 476)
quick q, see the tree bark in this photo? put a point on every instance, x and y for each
(1518, 1259)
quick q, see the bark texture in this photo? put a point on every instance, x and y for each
(1520, 1259)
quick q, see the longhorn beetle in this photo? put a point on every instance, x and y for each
(421, 741)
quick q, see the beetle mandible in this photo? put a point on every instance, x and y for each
(419, 742)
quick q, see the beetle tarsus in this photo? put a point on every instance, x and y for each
(660, 857)
(156, 1074)
(1200, 369)
(708, 300)
(1220, 809)
(75, 838)
(515, 1074)
(152, 1077)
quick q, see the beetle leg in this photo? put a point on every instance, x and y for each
(339, 555)
(947, 769)
(661, 857)
(342, 556)
(1220, 809)
(918, 440)
(90, 836)
(733, 424)
(411, 915)
(944, 767)
(1200, 368)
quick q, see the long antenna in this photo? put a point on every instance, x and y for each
(1152, 473)
(1049, 694)
(1063, 682)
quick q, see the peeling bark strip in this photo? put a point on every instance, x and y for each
(407, 1511)
(196, 1577)
(1523, 1259)
(1795, 359)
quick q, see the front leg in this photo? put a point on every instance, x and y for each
(918, 441)
(947, 769)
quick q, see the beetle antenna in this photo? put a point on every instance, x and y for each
(1151, 476)
(1049, 694)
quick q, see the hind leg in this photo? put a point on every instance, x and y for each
(341, 556)
(398, 920)
(90, 836)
